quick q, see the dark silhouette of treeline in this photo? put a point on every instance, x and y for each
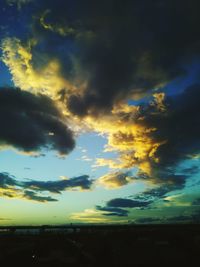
(100, 245)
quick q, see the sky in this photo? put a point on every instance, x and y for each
(99, 112)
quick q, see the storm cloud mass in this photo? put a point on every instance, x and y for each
(108, 52)
(122, 50)
(120, 76)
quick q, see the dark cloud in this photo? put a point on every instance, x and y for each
(6, 181)
(192, 217)
(30, 123)
(127, 203)
(11, 187)
(112, 211)
(154, 194)
(179, 126)
(116, 206)
(31, 195)
(134, 47)
(58, 186)
(141, 201)
(196, 202)
(148, 220)
(121, 48)
(165, 183)
(180, 218)
(191, 170)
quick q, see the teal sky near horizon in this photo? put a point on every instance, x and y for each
(99, 112)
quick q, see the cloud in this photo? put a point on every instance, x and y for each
(127, 203)
(118, 206)
(193, 217)
(46, 78)
(83, 182)
(30, 123)
(31, 195)
(156, 141)
(101, 162)
(126, 46)
(90, 58)
(89, 216)
(75, 59)
(155, 193)
(148, 220)
(196, 202)
(19, 3)
(86, 158)
(179, 127)
(115, 179)
(112, 211)
(36, 190)
(7, 181)
(81, 48)
(141, 201)
(191, 170)
(160, 192)
(5, 219)
(165, 181)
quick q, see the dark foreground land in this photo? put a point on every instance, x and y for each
(164, 245)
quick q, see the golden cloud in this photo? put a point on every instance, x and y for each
(18, 58)
(93, 216)
(60, 29)
(129, 137)
(115, 180)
